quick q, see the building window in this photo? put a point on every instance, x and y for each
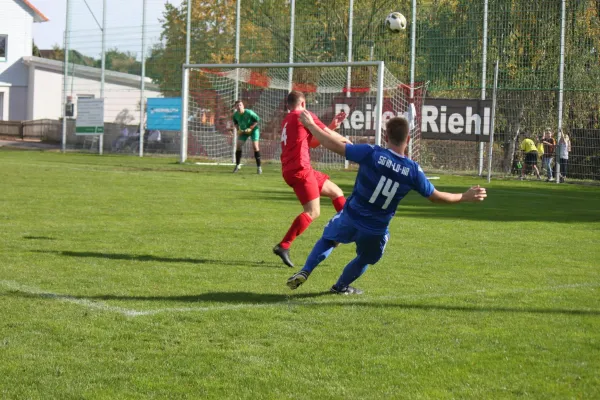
(3, 47)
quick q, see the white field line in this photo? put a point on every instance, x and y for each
(217, 164)
(99, 305)
(102, 306)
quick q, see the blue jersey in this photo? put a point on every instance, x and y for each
(384, 178)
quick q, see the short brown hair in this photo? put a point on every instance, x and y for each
(397, 130)
(238, 102)
(294, 97)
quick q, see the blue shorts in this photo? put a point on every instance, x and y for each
(368, 246)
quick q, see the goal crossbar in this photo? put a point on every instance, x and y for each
(289, 65)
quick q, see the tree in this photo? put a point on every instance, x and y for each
(35, 51)
(321, 35)
(75, 57)
(119, 61)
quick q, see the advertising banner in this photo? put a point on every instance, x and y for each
(456, 119)
(90, 117)
(164, 114)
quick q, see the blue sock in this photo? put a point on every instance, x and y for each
(352, 272)
(320, 252)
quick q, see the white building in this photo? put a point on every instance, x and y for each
(121, 91)
(16, 41)
(32, 87)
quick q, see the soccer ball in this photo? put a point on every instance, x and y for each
(395, 22)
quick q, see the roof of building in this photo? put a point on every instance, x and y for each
(91, 72)
(37, 14)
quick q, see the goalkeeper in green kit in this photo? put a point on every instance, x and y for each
(246, 123)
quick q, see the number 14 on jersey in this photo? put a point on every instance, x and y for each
(387, 188)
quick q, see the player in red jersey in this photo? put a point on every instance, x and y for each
(308, 184)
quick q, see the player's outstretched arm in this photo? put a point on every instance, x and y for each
(335, 124)
(337, 120)
(337, 136)
(474, 194)
(333, 143)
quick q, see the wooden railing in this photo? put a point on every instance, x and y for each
(48, 130)
(11, 129)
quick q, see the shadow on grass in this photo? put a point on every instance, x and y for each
(215, 297)
(38, 237)
(258, 298)
(147, 257)
(236, 298)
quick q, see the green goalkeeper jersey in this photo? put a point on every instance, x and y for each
(245, 120)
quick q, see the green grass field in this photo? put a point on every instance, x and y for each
(123, 277)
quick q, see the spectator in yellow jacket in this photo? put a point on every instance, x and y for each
(531, 157)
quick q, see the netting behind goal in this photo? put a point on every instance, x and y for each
(212, 92)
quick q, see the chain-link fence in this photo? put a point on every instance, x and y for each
(549, 65)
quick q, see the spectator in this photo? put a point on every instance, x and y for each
(152, 140)
(540, 147)
(517, 166)
(531, 156)
(549, 149)
(119, 142)
(564, 148)
(154, 136)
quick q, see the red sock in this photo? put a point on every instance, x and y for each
(338, 203)
(299, 225)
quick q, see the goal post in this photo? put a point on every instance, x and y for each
(209, 92)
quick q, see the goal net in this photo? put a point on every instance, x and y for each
(359, 89)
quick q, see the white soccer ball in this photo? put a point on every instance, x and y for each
(395, 22)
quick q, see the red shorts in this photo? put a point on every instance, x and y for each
(307, 183)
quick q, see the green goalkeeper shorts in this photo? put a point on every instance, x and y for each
(255, 136)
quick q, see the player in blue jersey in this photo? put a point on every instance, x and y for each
(384, 177)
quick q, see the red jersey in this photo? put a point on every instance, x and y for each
(295, 154)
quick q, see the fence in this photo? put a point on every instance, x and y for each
(46, 130)
(549, 64)
(11, 129)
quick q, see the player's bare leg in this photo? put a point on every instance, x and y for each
(336, 195)
(537, 172)
(313, 208)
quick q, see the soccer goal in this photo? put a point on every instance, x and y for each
(366, 91)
